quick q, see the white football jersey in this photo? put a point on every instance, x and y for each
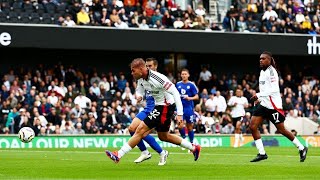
(269, 95)
(239, 103)
(161, 89)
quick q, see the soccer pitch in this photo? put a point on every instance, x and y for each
(214, 163)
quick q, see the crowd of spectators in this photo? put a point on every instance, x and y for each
(143, 14)
(273, 16)
(69, 100)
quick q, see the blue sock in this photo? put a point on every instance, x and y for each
(153, 143)
(140, 145)
(183, 132)
(191, 135)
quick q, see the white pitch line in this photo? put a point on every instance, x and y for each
(176, 153)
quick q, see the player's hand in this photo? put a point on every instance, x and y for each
(254, 98)
(139, 99)
(179, 121)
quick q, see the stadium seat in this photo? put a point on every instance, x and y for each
(46, 19)
(50, 8)
(62, 9)
(28, 8)
(35, 18)
(3, 17)
(24, 17)
(13, 17)
(16, 7)
(39, 9)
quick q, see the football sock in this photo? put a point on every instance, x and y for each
(236, 140)
(191, 135)
(153, 143)
(186, 144)
(260, 147)
(183, 132)
(298, 144)
(124, 150)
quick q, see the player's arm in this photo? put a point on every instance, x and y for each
(231, 102)
(139, 92)
(170, 88)
(274, 85)
(176, 95)
(195, 92)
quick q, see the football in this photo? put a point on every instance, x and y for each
(26, 134)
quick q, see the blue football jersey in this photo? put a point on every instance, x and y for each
(188, 89)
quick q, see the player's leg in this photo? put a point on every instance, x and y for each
(256, 120)
(174, 139)
(145, 154)
(254, 124)
(237, 131)
(182, 129)
(162, 126)
(302, 149)
(190, 132)
(152, 142)
(133, 141)
(190, 121)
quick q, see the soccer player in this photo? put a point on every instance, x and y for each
(156, 85)
(189, 93)
(238, 104)
(152, 64)
(269, 106)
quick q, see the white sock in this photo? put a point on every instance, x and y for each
(124, 150)
(260, 147)
(298, 144)
(241, 139)
(186, 144)
(162, 153)
(236, 140)
(145, 152)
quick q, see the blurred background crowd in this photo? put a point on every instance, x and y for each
(66, 99)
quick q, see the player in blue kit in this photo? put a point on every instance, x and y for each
(188, 92)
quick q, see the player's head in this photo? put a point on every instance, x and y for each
(138, 67)
(266, 60)
(238, 93)
(152, 64)
(185, 74)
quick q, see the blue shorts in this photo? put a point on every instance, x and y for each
(148, 109)
(189, 117)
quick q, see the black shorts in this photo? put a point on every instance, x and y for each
(160, 117)
(271, 114)
(235, 120)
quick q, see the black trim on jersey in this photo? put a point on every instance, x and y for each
(161, 81)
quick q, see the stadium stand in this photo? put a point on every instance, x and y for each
(242, 16)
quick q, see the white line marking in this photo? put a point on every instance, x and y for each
(176, 153)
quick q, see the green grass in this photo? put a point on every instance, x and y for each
(214, 163)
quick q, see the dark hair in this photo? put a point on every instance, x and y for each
(272, 61)
(154, 60)
(185, 69)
